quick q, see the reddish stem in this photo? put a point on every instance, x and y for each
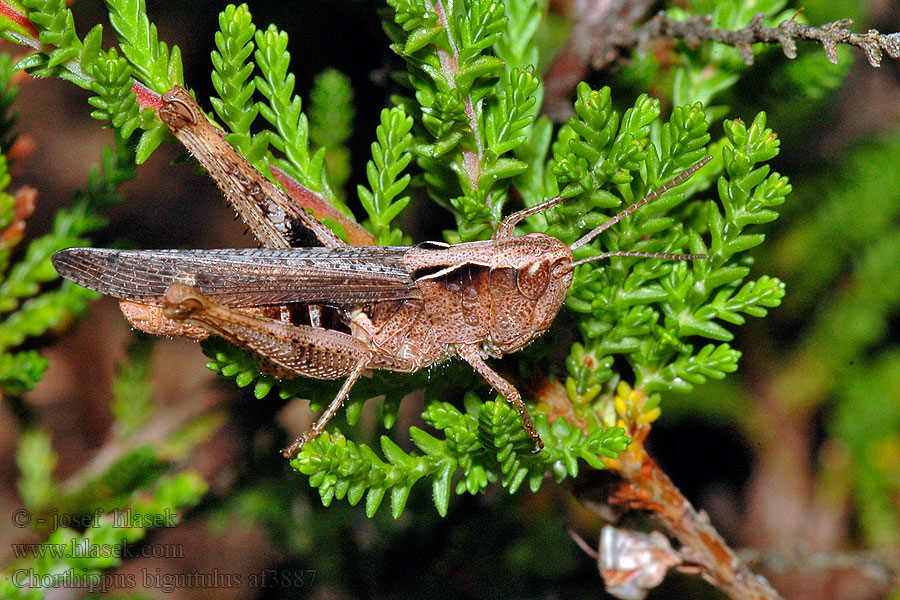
(450, 68)
(322, 208)
(646, 487)
(146, 97)
(18, 18)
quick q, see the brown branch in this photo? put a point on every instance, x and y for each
(696, 29)
(605, 29)
(646, 487)
(596, 24)
(879, 568)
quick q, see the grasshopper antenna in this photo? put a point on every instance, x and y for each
(664, 255)
(642, 202)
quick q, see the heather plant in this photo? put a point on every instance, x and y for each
(465, 134)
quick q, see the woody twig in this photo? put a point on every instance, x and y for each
(645, 486)
(607, 29)
(695, 30)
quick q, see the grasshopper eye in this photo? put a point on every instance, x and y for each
(533, 278)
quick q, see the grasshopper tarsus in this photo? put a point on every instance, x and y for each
(528, 425)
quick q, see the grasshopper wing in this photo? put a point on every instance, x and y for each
(342, 277)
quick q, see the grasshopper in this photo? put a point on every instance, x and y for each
(311, 305)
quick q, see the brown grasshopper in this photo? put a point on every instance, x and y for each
(329, 310)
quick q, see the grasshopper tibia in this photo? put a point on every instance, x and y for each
(471, 355)
(300, 349)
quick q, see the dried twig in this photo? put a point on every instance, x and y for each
(605, 29)
(646, 487)
(881, 568)
(696, 29)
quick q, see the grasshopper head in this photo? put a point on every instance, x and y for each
(529, 282)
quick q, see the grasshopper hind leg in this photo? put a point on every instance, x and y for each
(297, 349)
(326, 415)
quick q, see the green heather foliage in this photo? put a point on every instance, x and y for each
(467, 121)
(465, 132)
(27, 310)
(470, 116)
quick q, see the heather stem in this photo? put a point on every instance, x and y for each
(450, 69)
(646, 487)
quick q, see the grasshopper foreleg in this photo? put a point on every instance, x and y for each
(299, 349)
(471, 355)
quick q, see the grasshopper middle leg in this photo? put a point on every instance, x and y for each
(301, 349)
(470, 354)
